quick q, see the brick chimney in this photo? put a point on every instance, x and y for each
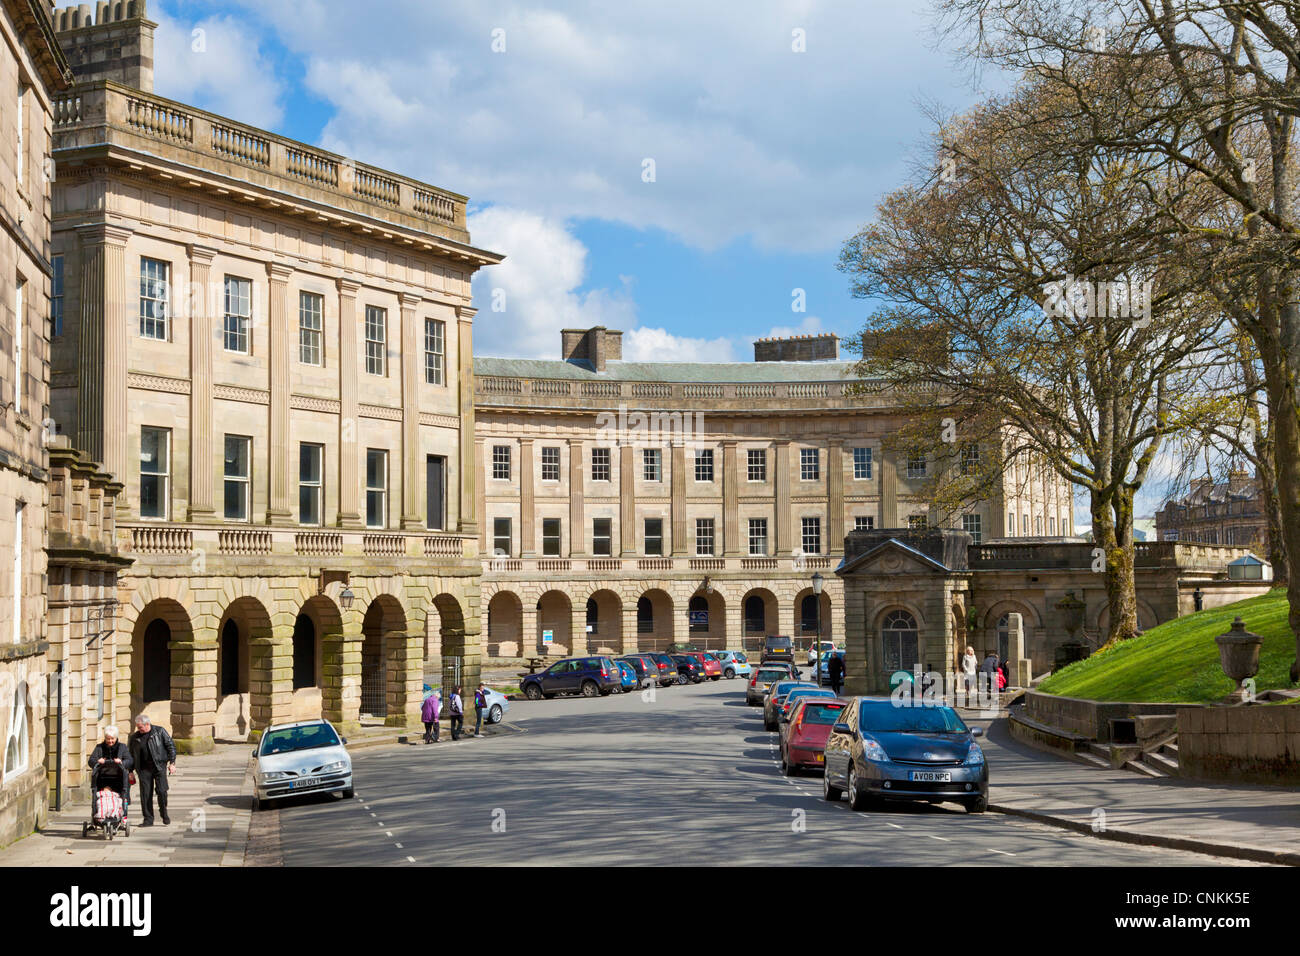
(800, 348)
(114, 41)
(594, 346)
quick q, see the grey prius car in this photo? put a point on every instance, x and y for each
(881, 749)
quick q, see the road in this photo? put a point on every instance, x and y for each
(689, 777)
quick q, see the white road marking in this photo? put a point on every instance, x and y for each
(398, 845)
(1003, 852)
(933, 837)
(388, 833)
(894, 825)
(411, 859)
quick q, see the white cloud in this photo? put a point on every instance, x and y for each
(660, 345)
(217, 64)
(537, 285)
(811, 325)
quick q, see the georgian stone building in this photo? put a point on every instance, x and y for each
(269, 346)
(1225, 512)
(32, 71)
(632, 505)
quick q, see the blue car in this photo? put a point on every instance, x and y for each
(734, 664)
(630, 680)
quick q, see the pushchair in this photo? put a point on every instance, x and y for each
(110, 792)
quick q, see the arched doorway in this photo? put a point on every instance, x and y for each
(554, 614)
(707, 621)
(448, 666)
(604, 623)
(304, 652)
(505, 624)
(899, 641)
(156, 662)
(161, 623)
(654, 620)
(759, 610)
(810, 615)
(244, 621)
(383, 632)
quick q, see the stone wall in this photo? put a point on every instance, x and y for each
(1088, 718)
(1251, 744)
(800, 348)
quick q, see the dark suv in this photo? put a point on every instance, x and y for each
(778, 648)
(588, 676)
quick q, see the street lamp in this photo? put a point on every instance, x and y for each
(346, 597)
(818, 582)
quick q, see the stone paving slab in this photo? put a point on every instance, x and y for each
(1242, 822)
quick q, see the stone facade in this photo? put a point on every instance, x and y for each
(270, 346)
(1259, 743)
(32, 71)
(616, 499)
(1228, 512)
(798, 348)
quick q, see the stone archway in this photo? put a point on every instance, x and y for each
(654, 619)
(759, 609)
(383, 658)
(505, 625)
(807, 618)
(454, 659)
(555, 614)
(244, 621)
(712, 635)
(605, 623)
(161, 625)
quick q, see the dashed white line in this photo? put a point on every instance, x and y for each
(411, 859)
(398, 845)
(388, 833)
(933, 837)
(1003, 852)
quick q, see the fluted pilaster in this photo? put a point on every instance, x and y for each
(349, 427)
(278, 510)
(202, 332)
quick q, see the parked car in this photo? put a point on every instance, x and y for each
(776, 697)
(307, 756)
(630, 680)
(734, 664)
(588, 676)
(497, 703)
(803, 738)
(667, 668)
(709, 665)
(764, 677)
(647, 672)
(879, 750)
(793, 696)
(823, 674)
(778, 647)
(818, 649)
(689, 670)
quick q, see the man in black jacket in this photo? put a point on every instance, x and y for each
(835, 671)
(155, 757)
(113, 760)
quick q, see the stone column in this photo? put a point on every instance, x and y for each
(529, 638)
(479, 449)
(859, 674)
(202, 332)
(631, 639)
(270, 678)
(349, 426)
(194, 692)
(278, 511)
(471, 469)
(678, 503)
(730, 506)
(578, 629)
(412, 372)
(577, 528)
(627, 502)
(1021, 667)
(105, 324)
(782, 512)
(835, 497)
(527, 518)
(888, 490)
(405, 669)
(341, 675)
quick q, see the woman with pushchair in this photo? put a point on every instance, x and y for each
(110, 768)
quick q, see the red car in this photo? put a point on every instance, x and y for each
(803, 744)
(711, 665)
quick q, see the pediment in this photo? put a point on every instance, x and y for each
(893, 557)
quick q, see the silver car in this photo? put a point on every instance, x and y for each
(307, 756)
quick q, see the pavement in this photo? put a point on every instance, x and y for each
(687, 776)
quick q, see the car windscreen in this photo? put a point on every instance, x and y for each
(798, 692)
(767, 676)
(289, 739)
(887, 718)
(740, 658)
(785, 686)
(821, 713)
(779, 642)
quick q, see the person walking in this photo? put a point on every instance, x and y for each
(480, 705)
(154, 755)
(429, 713)
(969, 663)
(835, 671)
(456, 708)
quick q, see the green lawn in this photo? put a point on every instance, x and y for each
(1179, 661)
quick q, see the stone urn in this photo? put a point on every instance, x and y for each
(1239, 658)
(1069, 616)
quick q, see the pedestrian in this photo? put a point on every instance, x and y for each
(154, 755)
(480, 705)
(990, 671)
(113, 759)
(457, 710)
(835, 671)
(969, 662)
(429, 713)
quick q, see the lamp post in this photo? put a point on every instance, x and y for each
(818, 582)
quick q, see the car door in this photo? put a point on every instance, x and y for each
(556, 678)
(839, 746)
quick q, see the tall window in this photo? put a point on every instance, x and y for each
(861, 463)
(435, 351)
(755, 613)
(550, 463)
(758, 537)
(812, 535)
(1051, 526)
(810, 468)
(20, 512)
(704, 464)
(239, 310)
(501, 462)
(310, 484)
(551, 537)
(704, 536)
(16, 747)
(970, 459)
(20, 167)
(600, 468)
(1038, 526)
(601, 537)
(376, 340)
(645, 616)
(899, 637)
(652, 464)
(698, 614)
(1011, 524)
(311, 309)
(501, 536)
(155, 472)
(864, 523)
(20, 335)
(917, 522)
(654, 536)
(376, 488)
(916, 466)
(756, 464)
(973, 525)
(56, 296)
(1024, 524)
(237, 482)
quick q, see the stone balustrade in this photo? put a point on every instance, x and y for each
(149, 538)
(1044, 555)
(539, 565)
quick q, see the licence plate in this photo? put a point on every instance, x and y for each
(821, 758)
(306, 782)
(930, 776)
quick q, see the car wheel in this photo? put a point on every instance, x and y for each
(533, 692)
(787, 769)
(857, 801)
(768, 725)
(347, 794)
(978, 805)
(590, 688)
(681, 678)
(829, 792)
(495, 714)
(716, 677)
(729, 673)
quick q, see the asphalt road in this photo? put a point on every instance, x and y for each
(690, 777)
